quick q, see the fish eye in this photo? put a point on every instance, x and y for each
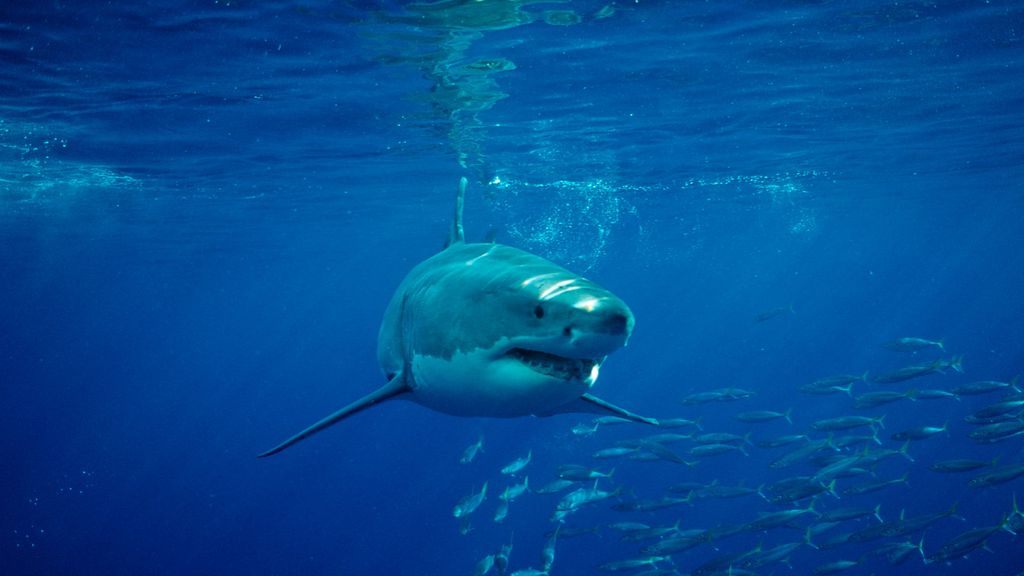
(538, 311)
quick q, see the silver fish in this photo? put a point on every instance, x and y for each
(716, 449)
(836, 567)
(874, 486)
(631, 564)
(484, 566)
(576, 472)
(517, 464)
(678, 423)
(515, 490)
(555, 486)
(986, 386)
(584, 429)
(920, 432)
(935, 394)
(501, 512)
(613, 452)
(469, 503)
(472, 450)
(912, 344)
(847, 422)
(998, 476)
(918, 370)
(873, 399)
(757, 416)
(962, 465)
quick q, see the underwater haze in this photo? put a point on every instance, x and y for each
(206, 206)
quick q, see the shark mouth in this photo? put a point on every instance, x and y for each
(555, 366)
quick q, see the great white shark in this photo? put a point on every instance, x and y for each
(484, 329)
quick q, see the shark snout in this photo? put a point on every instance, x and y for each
(601, 331)
(611, 316)
(611, 325)
(619, 323)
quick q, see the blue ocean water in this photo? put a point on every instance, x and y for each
(206, 205)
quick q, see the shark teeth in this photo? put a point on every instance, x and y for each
(553, 365)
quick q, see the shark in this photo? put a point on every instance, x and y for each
(489, 330)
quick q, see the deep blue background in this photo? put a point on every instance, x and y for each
(205, 206)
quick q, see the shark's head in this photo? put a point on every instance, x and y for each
(565, 328)
(500, 332)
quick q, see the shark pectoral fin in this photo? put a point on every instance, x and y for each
(394, 387)
(594, 405)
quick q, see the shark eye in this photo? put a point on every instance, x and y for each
(538, 311)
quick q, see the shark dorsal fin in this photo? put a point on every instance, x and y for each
(456, 235)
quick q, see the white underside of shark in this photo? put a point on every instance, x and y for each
(483, 329)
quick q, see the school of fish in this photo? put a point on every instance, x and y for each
(815, 501)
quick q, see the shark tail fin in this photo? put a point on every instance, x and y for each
(394, 387)
(456, 235)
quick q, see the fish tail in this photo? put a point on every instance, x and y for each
(829, 443)
(807, 538)
(881, 421)
(958, 363)
(904, 453)
(1005, 525)
(810, 508)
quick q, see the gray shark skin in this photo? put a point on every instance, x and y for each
(483, 329)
